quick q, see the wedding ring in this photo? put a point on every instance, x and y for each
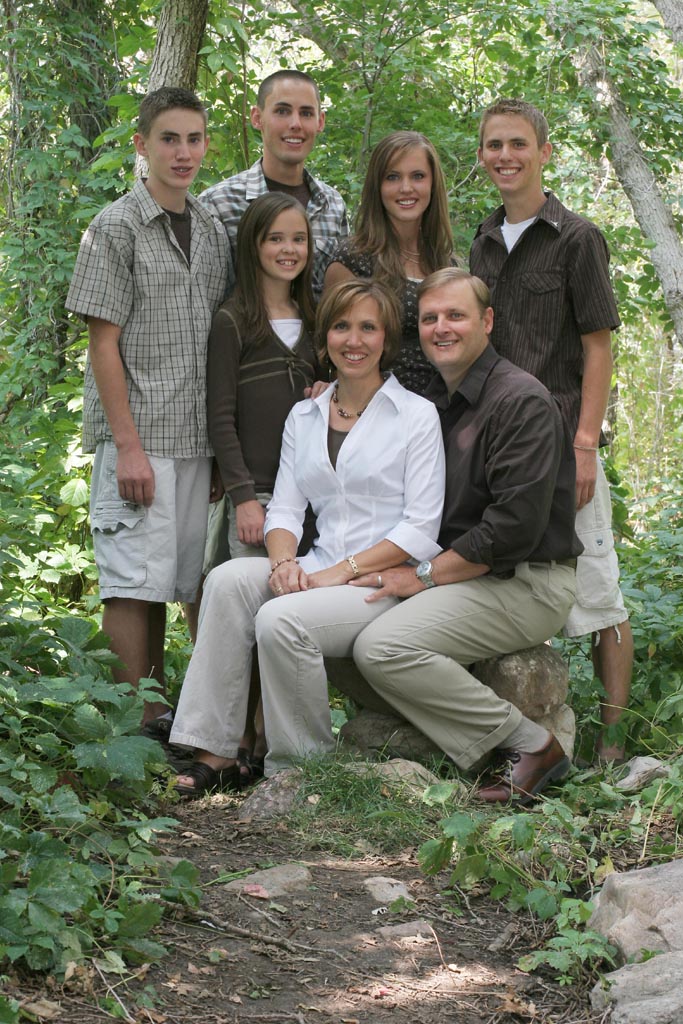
(379, 580)
(278, 590)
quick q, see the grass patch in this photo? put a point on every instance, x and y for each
(351, 813)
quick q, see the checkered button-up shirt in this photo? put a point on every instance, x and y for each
(130, 271)
(326, 211)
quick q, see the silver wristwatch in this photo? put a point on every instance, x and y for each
(424, 574)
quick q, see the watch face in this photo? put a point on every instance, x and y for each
(424, 569)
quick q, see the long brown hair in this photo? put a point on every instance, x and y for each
(375, 235)
(247, 299)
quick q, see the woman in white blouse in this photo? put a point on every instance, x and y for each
(368, 456)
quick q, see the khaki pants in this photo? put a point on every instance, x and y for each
(415, 656)
(294, 633)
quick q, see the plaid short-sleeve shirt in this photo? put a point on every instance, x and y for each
(130, 271)
(326, 211)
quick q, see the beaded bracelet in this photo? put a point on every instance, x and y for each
(281, 562)
(354, 566)
(585, 448)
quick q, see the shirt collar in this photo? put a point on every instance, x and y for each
(390, 390)
(256, 183)
(150, 209)
(552, 212)
(471, 387)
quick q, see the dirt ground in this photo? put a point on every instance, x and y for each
(316, 955)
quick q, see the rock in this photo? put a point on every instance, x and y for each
(561, 722)
(642, 910)
(277, 881)
(374, 732)
(407, 930)
(273, 797)
(535, 680)
(640, 771)
(386, 890)
(399, 774)
(646, 993)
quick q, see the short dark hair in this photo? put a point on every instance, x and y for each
(520, 108)
(453, 275)
(337, 300)
(268, 84)
(166, 98)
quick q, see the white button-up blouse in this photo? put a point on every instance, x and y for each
(388, 484)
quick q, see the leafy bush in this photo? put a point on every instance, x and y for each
(79, 874)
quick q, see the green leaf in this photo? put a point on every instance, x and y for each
(139, 919)
(123, 757)
(461, 826)
(543, 903)
(74, 492)
(9, 1010)
(434, 855)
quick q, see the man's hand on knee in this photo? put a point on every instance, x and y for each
(398, 582)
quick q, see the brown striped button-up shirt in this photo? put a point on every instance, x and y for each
(552, 288)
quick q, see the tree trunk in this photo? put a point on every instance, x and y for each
(640, 185)
(672, 16)
(179, 37)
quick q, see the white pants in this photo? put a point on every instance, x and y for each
(294, 633)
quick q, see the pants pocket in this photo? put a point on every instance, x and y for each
(119, 541)
(597, 570)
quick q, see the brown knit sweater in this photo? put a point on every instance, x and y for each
(251, 389)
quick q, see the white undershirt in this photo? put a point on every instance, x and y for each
(513, 232)
(287, 330)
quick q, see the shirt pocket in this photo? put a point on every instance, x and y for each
(542, 302)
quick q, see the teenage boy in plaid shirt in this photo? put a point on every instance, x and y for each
(149, 276)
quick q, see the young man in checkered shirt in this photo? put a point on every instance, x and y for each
(150, 273)
(287, 114)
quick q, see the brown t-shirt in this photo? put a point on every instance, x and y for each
(301, 192)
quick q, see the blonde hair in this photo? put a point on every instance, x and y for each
(453, 275)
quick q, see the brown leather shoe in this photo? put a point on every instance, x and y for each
(525, 775)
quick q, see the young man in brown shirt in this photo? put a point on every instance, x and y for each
(547, 269)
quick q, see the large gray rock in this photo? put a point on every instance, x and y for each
(273, 882)
(405, 776)
(273, 797)
(372, 732)
(535, 680)
(647, 993)
(642, 910)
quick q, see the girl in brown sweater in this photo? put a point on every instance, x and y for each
(260, 360)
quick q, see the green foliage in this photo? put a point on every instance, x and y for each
(78, 871)
(651, 562)
(71, 764)
(546, 859)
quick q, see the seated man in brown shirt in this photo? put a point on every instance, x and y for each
(505, 579)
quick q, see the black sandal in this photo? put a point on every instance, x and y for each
(158, 729)
(209, 780)
(251, 769)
